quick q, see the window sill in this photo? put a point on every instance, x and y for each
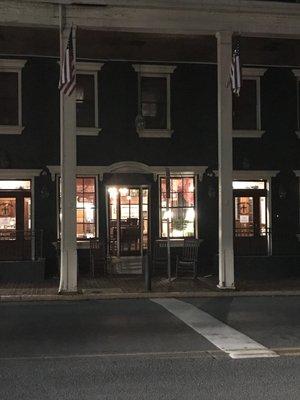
(11, 129)
(174, 242)
(247, 133)
(298, 134)
(88, 131)
(155, 133)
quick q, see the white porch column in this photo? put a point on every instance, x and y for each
(68, 256)
(226, 257)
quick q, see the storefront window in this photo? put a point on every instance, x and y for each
(85, 207)
(181, 214)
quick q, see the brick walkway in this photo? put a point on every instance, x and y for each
(111, 284)
(130, 284)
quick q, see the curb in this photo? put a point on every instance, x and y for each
(143, 295)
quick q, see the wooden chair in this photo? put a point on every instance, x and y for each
(98, 257)
(160, 258)
(187, 262)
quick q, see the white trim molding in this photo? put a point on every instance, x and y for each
(296, 72)
(155, 70)
(254, 174)
(19, 173)
(252, 74)
(155, 133)
(125, 167)
(90, 68)
(11, 129)
(15, 66)
(160, 71)
(247, 133)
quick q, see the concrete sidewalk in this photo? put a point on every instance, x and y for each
(121, 287)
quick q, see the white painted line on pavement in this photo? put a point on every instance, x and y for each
(227, 339)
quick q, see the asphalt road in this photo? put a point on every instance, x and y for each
(135, 349)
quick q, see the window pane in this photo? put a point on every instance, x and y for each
(89, 185)
(85, 207)
(14, 185)
(86, 204)
(244, 106)
(7, 215)
(263, 216)
(27, 213)
(154, 102)
(244, 216)
(182, 207)
(9, 98)
(85, 100)
(248, 184)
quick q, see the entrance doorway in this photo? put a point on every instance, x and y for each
(15, 220)
(128, 220)
(251, 233)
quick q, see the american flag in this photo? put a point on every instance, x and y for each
(67, 81)
(235, 72)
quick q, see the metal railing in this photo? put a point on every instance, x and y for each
(21, 244)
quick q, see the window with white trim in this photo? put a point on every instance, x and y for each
(297, 75)
(87, 107)
(11, 96)
(154, 100)
(246, 108)
(182, 207)
(86, 203)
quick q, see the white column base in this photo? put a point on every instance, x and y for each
(222, 286)
(68, 272)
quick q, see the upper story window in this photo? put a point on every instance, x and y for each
(11, 96)
(246, 109)
(182, 207)
(87, 107)
(154, 100)
(297, 75)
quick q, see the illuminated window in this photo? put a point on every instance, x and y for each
(85, 207)
(182, 210)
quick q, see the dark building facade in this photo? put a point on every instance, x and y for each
(147, 102)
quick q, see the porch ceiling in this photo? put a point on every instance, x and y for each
(253, 18)
(107, 45)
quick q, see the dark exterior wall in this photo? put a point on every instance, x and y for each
(38, 145)
(46, 221)
(279, 145)
(193, 114)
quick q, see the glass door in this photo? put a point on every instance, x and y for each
(250, 222)
(127, 220)
(15, 226)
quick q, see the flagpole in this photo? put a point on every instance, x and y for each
(68, 244)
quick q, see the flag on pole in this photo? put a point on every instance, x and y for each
(67, 81)
(236, 72)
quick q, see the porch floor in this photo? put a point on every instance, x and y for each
(121, 284)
